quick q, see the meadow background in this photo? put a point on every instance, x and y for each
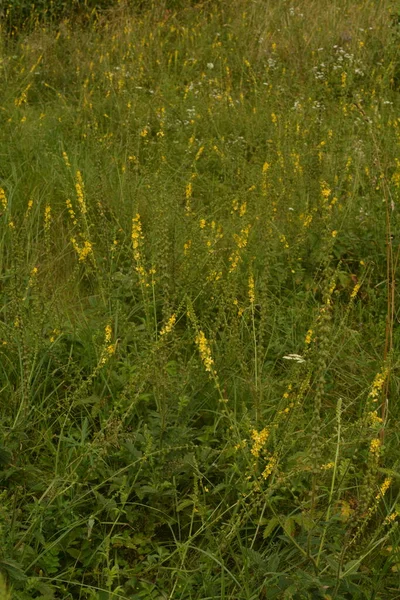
(199, 332)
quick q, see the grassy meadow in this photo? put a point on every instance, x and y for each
(199, 327)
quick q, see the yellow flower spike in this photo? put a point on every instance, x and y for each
(374, 419)
(137, 238)
(375, 446)
(205, 351)
(189, 191)
(355, 291)
(32, 278)
(47, 217)
(269, 467)
(199, 153)
(283, 239)
(251, 292)
(108, 334)
(391, 518)
(327, 466)
(80, 194)
(308, 338)
(242, 209)
(384, 487)
(168, 327)
(325, 190)
(66, 159)
(3, 199)
(86, 250)
(377, 385)
(259, 440)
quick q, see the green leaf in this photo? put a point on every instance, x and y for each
(350, 567)
(272, 525)
(13, 570)
(289, 526)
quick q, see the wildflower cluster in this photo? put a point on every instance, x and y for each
(47, 217)
(84, 251)
(241, 242)
(3, 199)
(205, 351)
(80, 193)
(22, 98)
(251, 291)
(169, 325)
(71, 212)
(259, 440)
(211, 234)
(137, 240)
(108, 347)
(377, 385)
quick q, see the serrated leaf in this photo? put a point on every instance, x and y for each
(289, 526)
(272, 524)
(13, 569)
(184, 504)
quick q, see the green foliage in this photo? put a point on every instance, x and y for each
(198, 357)
(22, 15)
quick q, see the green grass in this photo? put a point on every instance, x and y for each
(199, 331)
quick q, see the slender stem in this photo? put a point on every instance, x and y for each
(328, 513)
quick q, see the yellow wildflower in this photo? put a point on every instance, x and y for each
(327, 466)
(377, 385)
(137, 237)
(242, 209)
(47, 217)
(374, 419)
(269, 467)
(392, 517)
(71, 211)
(108, 334)
(169, 325)
(83, 252)
(384, 487)
(205, 351)
(375, 446)
(3, 198)
(325, 190)
(199, 153)
(66, 159)
(355, 291)
(283, 240)
(251, 289)
(32, 278)
(80, 195)
(259, 440)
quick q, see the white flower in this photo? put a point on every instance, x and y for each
(295, 357)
